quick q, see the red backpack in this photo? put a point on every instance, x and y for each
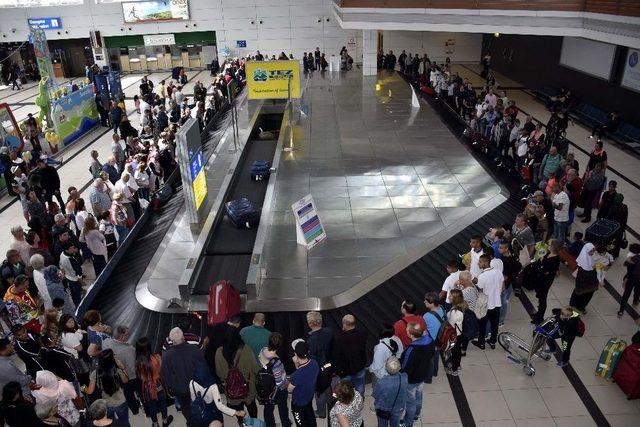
(447, 335)
(236, 387)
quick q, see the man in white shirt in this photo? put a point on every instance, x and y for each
(123, 186)
(560, 203)
(72, 271)
(20, 244)
(449, 283)
(490, 281)
(476, 252)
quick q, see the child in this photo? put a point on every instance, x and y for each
(136, 102)
(602, 261)
(58, 304)
(107, 228)
(568, 319)
(576, 246)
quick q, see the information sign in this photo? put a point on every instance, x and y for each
(309, 229)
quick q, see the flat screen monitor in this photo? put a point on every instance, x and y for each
(136, 12)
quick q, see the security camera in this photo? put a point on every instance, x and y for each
(121, 29)
(261, 21)
(252, 22)
(195, 25)
(129, 28)
(13, 30)
(319, 20)
(66, 32)
(328, 19)
(59, 33)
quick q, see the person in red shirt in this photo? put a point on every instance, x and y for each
(410, 314)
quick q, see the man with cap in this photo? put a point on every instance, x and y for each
(12, 368)
(302, 385)
(50, 180)
(28, 348)
(179, 364)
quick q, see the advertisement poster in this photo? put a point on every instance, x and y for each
(270, 80)
(198, 178)
(160, 10)
(631, 76)
(43, 56)
(75, 114)
(310, 231)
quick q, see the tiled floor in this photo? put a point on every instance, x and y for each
(380, 186)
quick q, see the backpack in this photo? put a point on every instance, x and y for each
(482, 304)
(325, 375)
(446, 337)
(581, 328)
(237, 388)
(201, 412)
(470, 325)
(266, 383)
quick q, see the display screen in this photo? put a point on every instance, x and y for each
(158, 10)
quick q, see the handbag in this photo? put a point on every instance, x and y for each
(624, 242)
(386, 415)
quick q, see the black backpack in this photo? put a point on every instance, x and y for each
(266, 388)
(325, 375)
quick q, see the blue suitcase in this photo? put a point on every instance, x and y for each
(260, 169)
(602, 232)
(242, 213)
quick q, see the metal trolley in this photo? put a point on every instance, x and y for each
(521, 352)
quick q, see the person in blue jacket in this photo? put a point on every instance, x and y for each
(390, 394)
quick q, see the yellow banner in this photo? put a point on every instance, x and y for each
(200, 188)
(270, 79)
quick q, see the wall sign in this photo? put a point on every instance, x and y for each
(309, 229)
(155, 10)
(241, 43)
(270, 80)
(45, 23)
(159, 39)
(198, 177)
(631, 76)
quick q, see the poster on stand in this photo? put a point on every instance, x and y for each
(74, 114)
(270, 79)
(309, 229)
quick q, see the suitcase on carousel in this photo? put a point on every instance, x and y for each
(242, 213)
(224, 302)
(627, 374)
(610, 357)
(601, 232)
(260, 169)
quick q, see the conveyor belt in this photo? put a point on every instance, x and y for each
(116, 300)
(227, 253)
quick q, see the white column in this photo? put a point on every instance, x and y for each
(369, 52)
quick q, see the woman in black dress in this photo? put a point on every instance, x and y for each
(586, 279)
(548, 271)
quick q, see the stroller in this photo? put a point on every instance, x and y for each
(522, 352)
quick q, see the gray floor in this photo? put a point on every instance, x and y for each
(385, 178)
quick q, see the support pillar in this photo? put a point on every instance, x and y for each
(369, 52)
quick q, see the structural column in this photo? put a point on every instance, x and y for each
(369, 52)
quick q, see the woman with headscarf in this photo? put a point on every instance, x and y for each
(235, 353)
(59, 391)
(54, 278)
(586, 279)
(208, 386)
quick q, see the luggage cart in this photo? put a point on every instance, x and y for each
(521, 352)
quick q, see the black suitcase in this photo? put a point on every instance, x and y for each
(260, 169)
(602, 232)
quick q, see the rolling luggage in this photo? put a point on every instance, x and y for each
(427, 90)
(224, 302)
(602, 232)
(610, 357)
(161, 197)
(242, 213)
(627, 374)
(260, 169)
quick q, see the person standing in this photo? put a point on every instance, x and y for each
(490, 281)
(568, 320)
(116, 116)
(631, 281)
(268, 359)
(586, 279)
(256, 336)
(348, 408)
(434, 319)
(416, 363)
(474, 256)
(126, 354)
(349, 355)
(408, 310)
(108, 378)
(152, 393)
(390, 394)
(320, 341)
(547, 272)
(179, 364)
(317, 54)
(593, 185)
(449, 282)
(388, 346)
(561, 204)
(302, 385)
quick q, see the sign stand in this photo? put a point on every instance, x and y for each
(309, 229)
(290, 148)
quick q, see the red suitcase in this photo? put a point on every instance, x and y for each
(427, 90)
(627, 374)
(224, 302)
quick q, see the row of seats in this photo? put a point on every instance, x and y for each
(627, 134)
